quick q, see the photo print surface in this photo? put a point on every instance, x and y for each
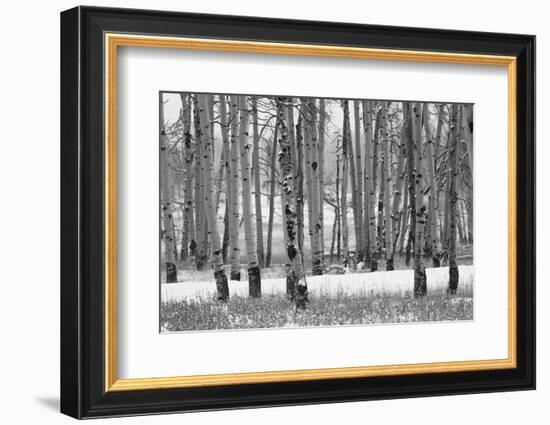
(283, 212)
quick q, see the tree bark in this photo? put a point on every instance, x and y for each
(296, 283)
(312, 184)
(271, 197)
(344, 196)
(168, 223)
(397, 214)
(375, 161)
(225, 240)
(254, 278)
(420, 287)
(234, 195)
(321, 161)
(188, 219)
(333, 240)
(468, 123)
(405, 210)
(380, 135)
(223, 158)
(359, 181)
(201, 249)
(228, 176)
(386, 175)
(453, 195)
(369, 216)
(353, 181)
(209, 198)
(257, 184)
(439, 173)
(299, 180)
(433, 243)
(338, 217)
(446, 171)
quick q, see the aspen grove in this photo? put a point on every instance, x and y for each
(260, 190)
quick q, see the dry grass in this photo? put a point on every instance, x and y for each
(275, 311)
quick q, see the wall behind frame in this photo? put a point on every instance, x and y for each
(29, 217)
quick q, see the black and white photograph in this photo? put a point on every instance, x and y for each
(281, 212)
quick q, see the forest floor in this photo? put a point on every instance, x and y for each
(347, 299)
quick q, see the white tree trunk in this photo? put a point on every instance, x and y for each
(201, 225)
(433, 243)
(398, 214)
(359, 179)
(234, 195)
(257, 184)
(420, 288)
(386, 175)
(188, 220)
(312, 185)
(369, 215)
(321, 161)
(453, 195)
(209, 198)
(168, 223)
(296, 283)
(254, 280)
(353, 181)
(344, 198)
(227, 167)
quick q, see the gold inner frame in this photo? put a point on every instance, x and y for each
(113, 41)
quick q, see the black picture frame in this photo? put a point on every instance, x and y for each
(83, 392)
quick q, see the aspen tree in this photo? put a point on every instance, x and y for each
(460, 226)
(446, 177)
(453, 195)
(353, 181)
(439, 169)
(396, 214)
(380, 137)
(433, 241)
(222, 161)
(299, 180)
(321, 161)
(296, 283)
(295, 138)
(405, 209)
(369, 198)
(257, 183)
(468, 129)
(210, 165)
(216, 254)
(375, 160)
(408, 134)
(468, 125)
(273, 162)
(288, 113)
(359, 181)
(386, 176)
(188, 220)
(420, 287)
(366, 182)
(210, 103)
(254, 278)
(201, 250)
(226, 146)
(234, 195)
(168, 223)
(338, 209)
(344, 196)
(312, 184)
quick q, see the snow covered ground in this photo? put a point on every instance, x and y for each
(396, 282)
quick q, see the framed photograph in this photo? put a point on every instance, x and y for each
(261, 212)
